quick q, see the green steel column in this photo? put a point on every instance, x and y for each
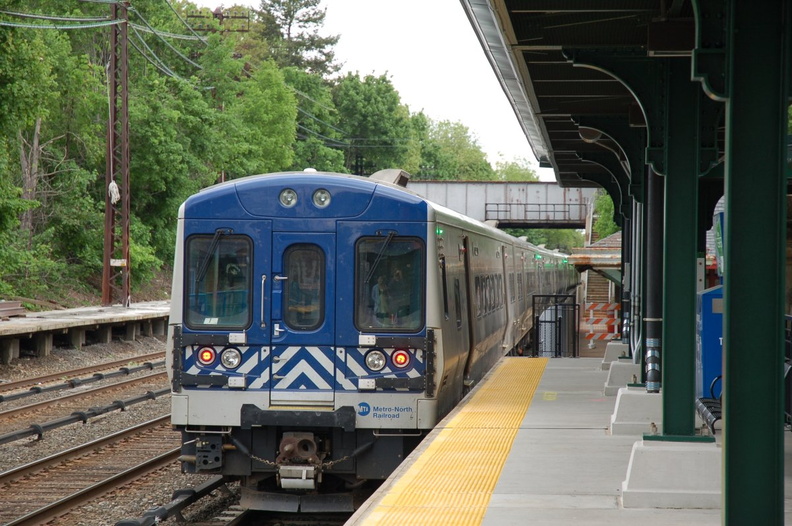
(679, 268)
(756, 121)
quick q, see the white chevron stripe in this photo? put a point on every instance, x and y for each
(322, 358)
(345, 383)
(312, 375)
(248, 365)
(355, 368)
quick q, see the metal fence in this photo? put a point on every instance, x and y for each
(544, 213)
(556, 326)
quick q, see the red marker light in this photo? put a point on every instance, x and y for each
(401, 359)
(206, 355)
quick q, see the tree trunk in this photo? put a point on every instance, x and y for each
(29, 156)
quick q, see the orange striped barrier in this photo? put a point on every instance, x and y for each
(603, 322)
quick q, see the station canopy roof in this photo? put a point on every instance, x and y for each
(536, 49)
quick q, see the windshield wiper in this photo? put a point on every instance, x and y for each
(212, 249)
(385, 244)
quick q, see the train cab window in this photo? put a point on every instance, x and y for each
(389, 284)
(218, 281)
(303, 295)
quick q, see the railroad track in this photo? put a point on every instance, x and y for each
(77, 397)
(74, 373)
(40, 491)
(50, 413)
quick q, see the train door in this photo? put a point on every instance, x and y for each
(507, 290)
(302, 319)
(474, 307)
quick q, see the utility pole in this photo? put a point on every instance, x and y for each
(116, 268)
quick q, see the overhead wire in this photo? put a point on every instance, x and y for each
(336, 141)
(55, 18)
(168, 44)
(317, 119)
(157, 62)
(60, 26)
(167, 34)
(164, 68)
(188, 26)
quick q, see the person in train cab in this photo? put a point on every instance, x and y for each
(380, 298)
(399, 292)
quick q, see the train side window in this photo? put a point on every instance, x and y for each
(217, 281)
(303, 298)
(511, 287)
(520, 292)
(390, 273)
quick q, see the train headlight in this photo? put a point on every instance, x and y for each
(401, 358)
(321, 198)
(375, 360)
(231, 358)
(206, 356)
(288, 197)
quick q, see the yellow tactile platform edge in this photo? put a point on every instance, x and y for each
(452, 481)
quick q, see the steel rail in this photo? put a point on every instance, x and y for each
(66, 504)
(18, 384)
(45, 403)
(80, 416)
(11, 475)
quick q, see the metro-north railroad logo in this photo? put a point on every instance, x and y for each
(363, 409)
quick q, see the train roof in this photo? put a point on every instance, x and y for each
(353, 195)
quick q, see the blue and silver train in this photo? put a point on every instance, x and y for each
(321, 324)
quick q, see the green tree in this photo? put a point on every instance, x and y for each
(262, 119)
(517, 170)
(562, 239)
(291, 27)
(318, 134)
(603, 212)
(451, 153)
(376, 122)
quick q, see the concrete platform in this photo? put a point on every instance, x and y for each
(148, 318)
(613, 352)
(563, 467)
(621, 373)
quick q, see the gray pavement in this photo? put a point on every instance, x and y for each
(564, 467)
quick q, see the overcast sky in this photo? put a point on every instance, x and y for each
(430, 53)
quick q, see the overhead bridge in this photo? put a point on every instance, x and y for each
(510, 204)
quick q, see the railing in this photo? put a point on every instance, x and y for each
(556, 325)
(541, 213)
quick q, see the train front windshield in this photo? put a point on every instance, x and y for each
(218, 282)
(389, 278)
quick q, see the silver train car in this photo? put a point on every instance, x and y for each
(321, 324)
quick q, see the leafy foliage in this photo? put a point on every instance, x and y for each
(603, 211)
(292, 31)
(563, 239)
(516, 170)
(208, 106)
(375, 121)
